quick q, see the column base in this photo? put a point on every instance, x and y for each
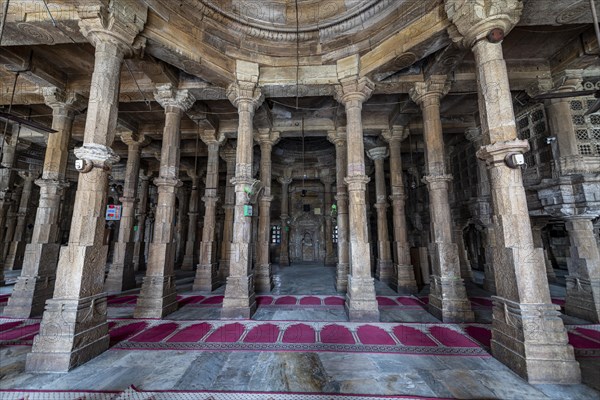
(29, 296)
(72, 332)
(361, 303)
(121, 275)
(31, 292)
(403, 280)
(158, 297)
(341, 277)
(583, 298)
(384, 271)
(206, 278)
(448, 300)
(532, 341)
(240, 299)
(188, 262)
(263, 279)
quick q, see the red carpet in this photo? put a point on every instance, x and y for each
(299, 333)
(155, 334)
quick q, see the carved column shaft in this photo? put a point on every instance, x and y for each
(264, 275)
(583, 281)
(14, 258)
(329, 253)
(121, 275)
(284, 252)
(189, 258)
(158, 296)
(447, 298)
(528, 334)
(343, 249)
(229, 156)
(403, 276)
(139, 256)
(360, 298)
(206, 274)
(240, 299)
(74, 327)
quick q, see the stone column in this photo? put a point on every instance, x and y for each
(190, 258)
(537, 225)
(583, 281)
(7, 176)
(227, 154)
(121, 275)
(403, 276)
(361, 304)
(263, 279)
(284, 249)
(206, 274)
(527, 332)
(11, 219)
(327, 181)
(74, 327)
(338, 138)
(139, 256)
(240, 299)
(36, 283)
(384, 269)
(16, 249)
(158, 296)
(447, 296)
(179, 238)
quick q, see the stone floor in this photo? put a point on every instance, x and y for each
(399, 374)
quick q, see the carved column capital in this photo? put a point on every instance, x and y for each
(244, 93)
(212, 137)
(496, 153)
(227, 153)
(473, 20)
(285, 181)
(378, 153)
(59, 99)
(397, 134)
(267, 137)
(337, 137)
(353, 91)
(431, 90)
(135, 140)
(98, 155)
(118, 22)
(168, 96)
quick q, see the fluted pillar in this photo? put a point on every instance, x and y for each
(74, 327)
(206, 274)
(228, 155)
(240, 298)
(158, 296)
(338, 138)
(361, 304)
(447, 295)
(190, 258)
(139, 257)
(121, 275)
(583, 281)
(527, 332)
(327, 181)
(403, 274)
(263, 278)
(384, 269)
(284, 249)
(16, 249)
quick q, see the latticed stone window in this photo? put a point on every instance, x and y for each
(334, 234)
(532, 126)
(587, 128)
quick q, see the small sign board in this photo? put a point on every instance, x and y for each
(113, 212)
(247, 210)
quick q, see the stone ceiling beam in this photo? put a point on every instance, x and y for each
(34, 68)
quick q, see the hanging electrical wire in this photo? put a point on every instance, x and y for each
(54, 22)
(138, 87)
